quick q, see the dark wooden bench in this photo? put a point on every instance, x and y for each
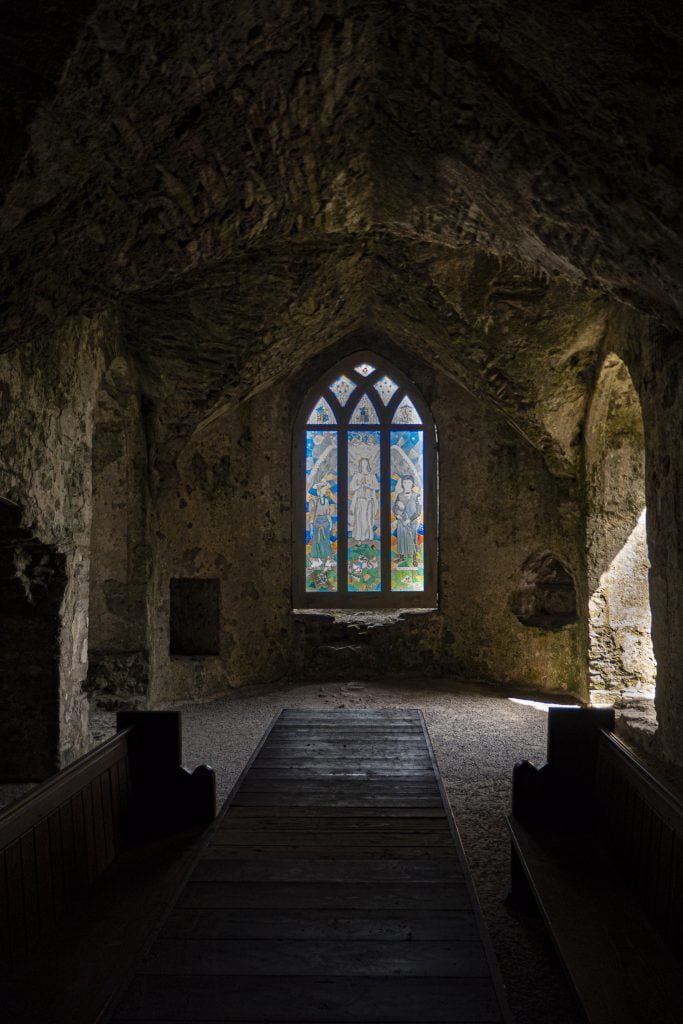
(69, 831)
(597, 846)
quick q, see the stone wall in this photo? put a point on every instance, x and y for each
(228, 516)
(119, 556)
(47, 390)
(659, 380)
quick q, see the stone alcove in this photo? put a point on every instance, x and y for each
(619, 619)
(546, 594)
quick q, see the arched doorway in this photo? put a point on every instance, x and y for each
(621, 658)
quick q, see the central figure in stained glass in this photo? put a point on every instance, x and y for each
(364, 491)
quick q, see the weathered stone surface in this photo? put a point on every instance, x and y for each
(119, 549)
(45, 437)
(545, 596)
(217, 201)
(660, 380)
(619, 615)
(228, 513)
(179, 137)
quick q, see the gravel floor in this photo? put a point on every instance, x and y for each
(477, 735)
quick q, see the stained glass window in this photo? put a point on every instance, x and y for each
(321, 511)
(406, 412)
(322, 414)
(407, 510)
(363, 521)
(364, 412)
(343, 387)
(367, 487)
(386, 389)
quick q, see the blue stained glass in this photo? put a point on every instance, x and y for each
(321, 511)
(407, 510)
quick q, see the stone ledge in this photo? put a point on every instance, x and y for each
(363, 617)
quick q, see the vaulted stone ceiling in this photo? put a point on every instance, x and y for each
(247, 182)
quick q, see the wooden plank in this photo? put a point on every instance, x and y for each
(46, 904)
(5, 946)
(330, 735)
(51, 794)
(348, 925)
(211, 868)
(356, 771)
(675, 934)
(15, 900)
(59, 839)
(30, 887)
(372, 896)
(72, 871)
(320, 999)
(98, 826)
(288, 715)
(366, 762)
(337, 823)
(335, 851)
(607, 971)
(107, 817)
(314, 813)
(354, 752)
(232, 837)
(405, 788)
(663, 801)
(664, 888)
(311, 799)
(358, 959)
(90, 842)
(80, 846)
(285, 725)
(331, 890)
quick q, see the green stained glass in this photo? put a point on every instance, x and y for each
(407, 510)
(321, 511)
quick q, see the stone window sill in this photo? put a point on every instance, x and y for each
(362, 617)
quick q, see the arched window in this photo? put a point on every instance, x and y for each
(364, 491)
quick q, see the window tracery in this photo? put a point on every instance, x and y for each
(365, 486)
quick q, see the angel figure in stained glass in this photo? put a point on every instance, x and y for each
(363, 488)
(406, 509)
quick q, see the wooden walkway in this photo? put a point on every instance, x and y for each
(332, 889)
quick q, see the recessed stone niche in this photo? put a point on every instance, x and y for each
(195, 617)
(546, 595)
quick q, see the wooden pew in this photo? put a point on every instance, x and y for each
(67, 832)
(597, 846)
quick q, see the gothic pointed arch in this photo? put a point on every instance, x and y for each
(365, 490)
